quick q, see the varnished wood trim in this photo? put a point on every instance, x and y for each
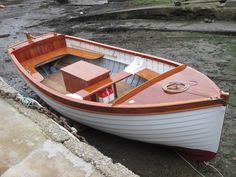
(148, 84)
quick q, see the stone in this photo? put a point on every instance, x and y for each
(88, 2)
(230, 3)
(18, 137)
(52, 159)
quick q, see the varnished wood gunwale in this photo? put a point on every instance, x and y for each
(121, 109)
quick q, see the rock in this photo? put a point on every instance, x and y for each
(207, 20)
(230, 3)
(88, 2)
(62, 1)
(2, 6)
(4, 35)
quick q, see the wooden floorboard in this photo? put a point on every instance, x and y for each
(123, 88)
(55, 82)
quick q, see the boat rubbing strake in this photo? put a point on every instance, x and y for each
(125, 93)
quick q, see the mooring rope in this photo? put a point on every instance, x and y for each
(28, 102)
(206, 163)
(210, 165)
(190, 164)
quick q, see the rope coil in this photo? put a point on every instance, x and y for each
(175, 87)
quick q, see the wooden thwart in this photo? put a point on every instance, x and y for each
(148, 84)
(147, 74)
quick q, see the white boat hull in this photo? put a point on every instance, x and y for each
(196, 129)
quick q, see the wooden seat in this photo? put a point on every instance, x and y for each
(147, 74)
(31, 63)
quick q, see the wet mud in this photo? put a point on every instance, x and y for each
(211, 54)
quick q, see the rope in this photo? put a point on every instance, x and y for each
(28, 102)
(1, 79)
(206, 163)
(175, 87)
(190, 164)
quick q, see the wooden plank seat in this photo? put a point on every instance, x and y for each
(147, 74)
(30, 64)
(87, 92)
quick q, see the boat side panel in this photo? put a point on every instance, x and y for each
(117, 55)
(197, 129)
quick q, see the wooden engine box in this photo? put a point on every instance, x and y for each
(82, 74)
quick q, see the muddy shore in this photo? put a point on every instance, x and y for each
(212, 54)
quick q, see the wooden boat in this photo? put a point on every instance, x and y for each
(125, 93)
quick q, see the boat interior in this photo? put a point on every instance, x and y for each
(53, 77)
(84, 70)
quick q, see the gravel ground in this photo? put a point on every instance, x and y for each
(214, 55)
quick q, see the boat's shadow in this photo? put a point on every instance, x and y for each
(142, 158)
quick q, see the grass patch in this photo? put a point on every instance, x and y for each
(152, 2)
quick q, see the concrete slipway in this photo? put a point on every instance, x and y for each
(33, 145)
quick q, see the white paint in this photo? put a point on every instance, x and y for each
(119, 56)
(131, 101)
(135, 66)
(197, 129)
(74, 95)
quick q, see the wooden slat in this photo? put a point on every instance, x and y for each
(148, 84)
(147, 74)
(31, 63)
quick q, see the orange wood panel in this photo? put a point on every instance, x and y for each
(199, 87)
(148, 84)
(35, 49)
